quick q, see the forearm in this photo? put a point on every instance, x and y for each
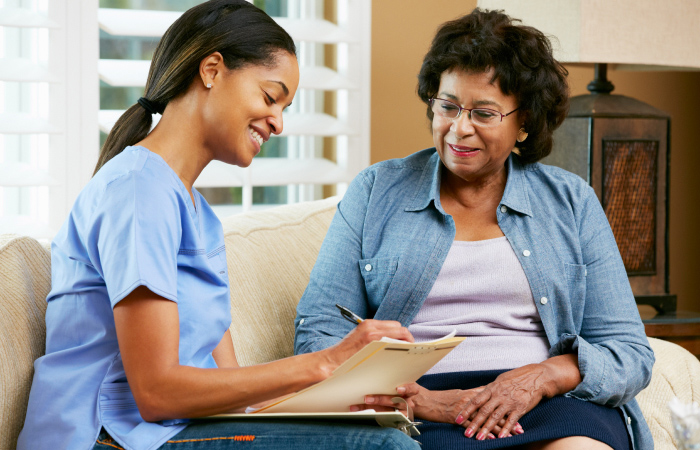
(186, 392)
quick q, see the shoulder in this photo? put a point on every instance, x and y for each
(546, 180)
(134, 178)
(400, 167)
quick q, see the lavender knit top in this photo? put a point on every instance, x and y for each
(483, 293)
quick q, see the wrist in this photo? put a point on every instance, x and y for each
(562, 374)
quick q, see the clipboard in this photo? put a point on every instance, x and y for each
(378, 368)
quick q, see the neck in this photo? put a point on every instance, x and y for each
(474, 193)
(182, 147)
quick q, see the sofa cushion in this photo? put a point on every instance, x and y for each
(25, 277)
(270, 255)
(676, 373)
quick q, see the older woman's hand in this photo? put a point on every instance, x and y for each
(514, 393)
(494, 409)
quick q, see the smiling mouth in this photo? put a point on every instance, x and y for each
(463, 150)
(259, 139)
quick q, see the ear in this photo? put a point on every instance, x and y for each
(211, 69)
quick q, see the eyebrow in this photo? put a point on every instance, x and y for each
(476, 103)
(284, 86)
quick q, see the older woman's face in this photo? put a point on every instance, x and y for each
(475, 153)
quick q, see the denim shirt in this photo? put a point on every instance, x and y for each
(390, 236)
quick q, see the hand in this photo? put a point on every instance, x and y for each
(385, 402)
(367, 331)
(436, 406)
(514, 393)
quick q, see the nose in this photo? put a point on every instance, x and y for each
(462, 125)
(276, 123)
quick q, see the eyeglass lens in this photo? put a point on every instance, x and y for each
(478, 116)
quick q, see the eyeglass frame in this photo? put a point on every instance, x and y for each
(469, 110)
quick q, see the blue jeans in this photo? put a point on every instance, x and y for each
(268, 435)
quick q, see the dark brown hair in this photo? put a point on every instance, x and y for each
(242, 33)
(522, 63)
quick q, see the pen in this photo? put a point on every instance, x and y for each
(349, 315)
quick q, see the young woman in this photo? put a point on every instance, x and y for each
(137, 321)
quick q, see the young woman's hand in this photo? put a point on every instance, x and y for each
(368, 331)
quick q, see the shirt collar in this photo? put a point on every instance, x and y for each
(515, 195)
(428, 189)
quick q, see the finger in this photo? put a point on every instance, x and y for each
(386, 400)
(473, 405)
(378, 408)
(482, 415)
(496, 416)
(408, 390)
(511, 425)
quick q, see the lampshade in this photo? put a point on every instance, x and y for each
(630, 34)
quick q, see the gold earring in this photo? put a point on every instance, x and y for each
(522, 135)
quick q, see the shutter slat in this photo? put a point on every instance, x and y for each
(22, 69)
(123, 72)
(25, 124)
(22, 174)
(126, 22)
(133, 73)
(25, 18)
(315, 30)
(273, 172)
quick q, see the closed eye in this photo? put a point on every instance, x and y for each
(270, 99)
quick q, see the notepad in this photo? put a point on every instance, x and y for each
(378, 368)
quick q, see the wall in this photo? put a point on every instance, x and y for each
(401, 34)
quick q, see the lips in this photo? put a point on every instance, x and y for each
(462, 150)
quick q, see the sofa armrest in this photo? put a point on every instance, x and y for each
(25, 278)
(676, 373)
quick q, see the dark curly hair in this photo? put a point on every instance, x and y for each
(522, 63)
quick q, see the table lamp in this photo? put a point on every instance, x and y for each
(620, 145)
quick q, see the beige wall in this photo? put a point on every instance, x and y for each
(401, 34)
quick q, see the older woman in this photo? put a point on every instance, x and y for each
(475, 235)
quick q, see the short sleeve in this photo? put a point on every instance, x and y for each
(135, 236)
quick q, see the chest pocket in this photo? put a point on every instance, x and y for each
(377, 274)
(217, 261)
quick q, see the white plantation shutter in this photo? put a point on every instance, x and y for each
(326, 130)
(48, 105)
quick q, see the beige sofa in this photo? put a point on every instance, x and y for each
(270, 255)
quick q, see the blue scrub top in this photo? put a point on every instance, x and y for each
(133, 225)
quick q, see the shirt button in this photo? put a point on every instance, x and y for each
(301, 322)
(526, 252)
(368, 267)
(504, 209)
(629, 421)
(544, 300)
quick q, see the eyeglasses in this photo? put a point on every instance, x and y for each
(482, 117)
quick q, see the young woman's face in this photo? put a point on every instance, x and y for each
(245, 107)
(473, 152)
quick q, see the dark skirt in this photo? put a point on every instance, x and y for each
(553, 418)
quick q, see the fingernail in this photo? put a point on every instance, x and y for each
(491, 436)
(480, 437)
(369, 399)
(469, 433)
(354, 408)
(518, 431)
(459, 419)
(502, 434)
(401, 390)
